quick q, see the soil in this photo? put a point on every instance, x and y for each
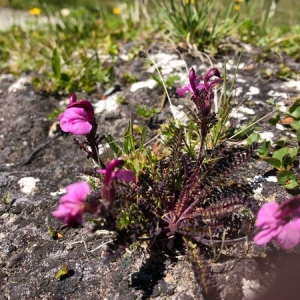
(32, 150)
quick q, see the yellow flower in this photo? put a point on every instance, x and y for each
(116, 10)
(236, 7)
(189, 1)
(35, 11)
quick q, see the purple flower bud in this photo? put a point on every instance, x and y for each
(108, 190)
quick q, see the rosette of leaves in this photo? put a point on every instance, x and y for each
(188, 198)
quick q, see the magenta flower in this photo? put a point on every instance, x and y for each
(78, 118)
(71, 206)
(192, 87)
(202, 94)
(108, 190)
(279, 222)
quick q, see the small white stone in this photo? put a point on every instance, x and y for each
(57, 193)
(109, 104)
(291, 84)
(280, 127)
(271, 179)
(273, 94)
(20, 84)
(250, 288)
(246, 110)
(266, 136)
(253, 90)
(150, 83)
(28, 184)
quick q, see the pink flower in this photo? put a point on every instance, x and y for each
(202, 94)
(71, 206)
(108, 190)
(192, 87)
(78, 118)
(279, 222)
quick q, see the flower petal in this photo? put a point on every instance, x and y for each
(124, 175)
(289, 235)
(267, 215)
(265, 236)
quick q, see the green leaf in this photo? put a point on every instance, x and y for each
(288, 179)
(56, 67)
(281, 153)
(129, 145)
(273, 162)
(298, 135)
(275, 119)
(52, 232)
(143, 138)
(282, 142)
(296, 113)
(62, 272)
(146, 112)
(295, 125)
(253, 138)
(263, 150)
(114, 146)
(293, 152)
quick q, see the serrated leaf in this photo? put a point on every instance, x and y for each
(273, 162)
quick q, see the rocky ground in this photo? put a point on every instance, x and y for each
(37, 164)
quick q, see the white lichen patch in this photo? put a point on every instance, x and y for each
(280, 127)
(275, 94)
(150, 83)
(291, 84)
(237, 91)
(267, 135)
(250, 288)
(271, 179)
(108, 105)
(168, 63)
(253, 90)
(179, 114)
(20, 84)
(246, 110)
(28, 185)
(59, 192)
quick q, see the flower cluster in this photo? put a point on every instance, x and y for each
(202, 94)
(72, 206)
(79, 119)
(279, 222)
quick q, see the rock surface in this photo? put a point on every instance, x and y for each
(30, 258)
